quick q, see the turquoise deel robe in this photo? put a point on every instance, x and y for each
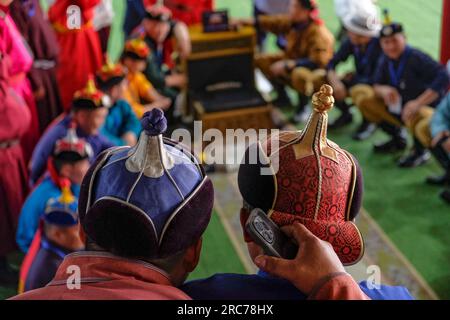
(34, 208)
(120, 119)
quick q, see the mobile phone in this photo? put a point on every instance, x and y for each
(268, 236)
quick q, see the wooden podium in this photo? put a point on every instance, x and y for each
(221, 84)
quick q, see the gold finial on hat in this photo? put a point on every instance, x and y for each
(109, 65)
(387, 17)
(323, 100)
(90, 86)
(66, 194)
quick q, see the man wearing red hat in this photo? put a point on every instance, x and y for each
(140, 93)
(316, 184)
(121, 127)
(89, 110)
(66, 168)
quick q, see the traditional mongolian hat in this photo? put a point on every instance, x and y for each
(109, 75)
(62, 211)
(71, 148)
(150, 201)
(136, 49)
(68, 149)
(90, 97)
(390, 28)
(311, 180)
(158, 13)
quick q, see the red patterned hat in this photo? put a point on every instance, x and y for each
(110, 75)
(158, 13)
(313, 182)
(136, 49)
(90, 97)
(71, 147)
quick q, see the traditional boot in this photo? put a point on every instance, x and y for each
(397, 142)
(443, 158)
(418, 156)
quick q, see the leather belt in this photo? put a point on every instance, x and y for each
(8, 143)
(44, 64)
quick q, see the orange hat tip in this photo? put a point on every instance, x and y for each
(323, 100)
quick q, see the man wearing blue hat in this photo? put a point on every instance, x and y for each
(408, 84)
(58, 237)
(143, 211)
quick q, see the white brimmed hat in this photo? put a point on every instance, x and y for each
(363, 22)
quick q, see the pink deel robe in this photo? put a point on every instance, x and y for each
(21, 62)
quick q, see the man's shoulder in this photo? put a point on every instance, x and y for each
(110, 290)
(56, 130)
(123, 105)
(37, 294)
(248, 287)
(241, 287)
(418, 55)
(319, 28)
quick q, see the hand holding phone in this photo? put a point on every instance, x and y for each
(269, 236)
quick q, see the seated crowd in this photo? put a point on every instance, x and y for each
(79, 135)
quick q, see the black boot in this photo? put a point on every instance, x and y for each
(445, 195)
(397, 142)
(301, 114)
(364, 131)
(344, 119)
(442, 180)
(282, 100)
(442, 157)
(418, 156)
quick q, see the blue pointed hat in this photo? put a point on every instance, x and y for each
(152, 200)
(62, 211)
(390, 28)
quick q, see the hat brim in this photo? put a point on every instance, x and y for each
(344, 236)
(371, 33)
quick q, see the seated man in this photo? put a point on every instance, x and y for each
(58, 237)
(309, 46)
(160, 30)
(363, 45)
(264, 8)
(145, 232)
(140, 93)
(439, 142)
(324, 199)
(408, 84)
(88, 113)
(121, 125)
(67, 166)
